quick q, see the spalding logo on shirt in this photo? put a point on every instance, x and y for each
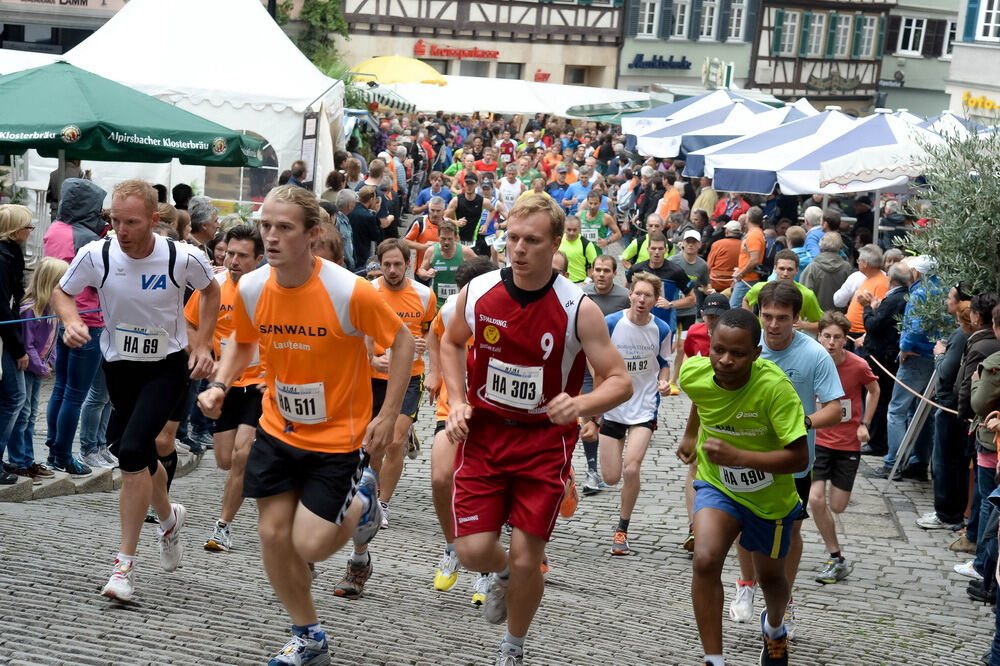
(154, 281)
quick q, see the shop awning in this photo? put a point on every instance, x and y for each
(389, 98)
(609, 112)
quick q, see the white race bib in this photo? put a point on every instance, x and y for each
(637, 365)
(845, 410)
(301, 403)
(744, 479)
(445, 290)
(139, 343)
(590, 233)
(515, 386)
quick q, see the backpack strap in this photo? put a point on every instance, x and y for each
(171, 260)
(106, 259)
(584, 244)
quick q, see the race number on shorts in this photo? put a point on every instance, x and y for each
(140, 343)
(744, 479)
(301, 403)
(515, 386)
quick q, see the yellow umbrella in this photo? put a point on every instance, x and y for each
(396, 69)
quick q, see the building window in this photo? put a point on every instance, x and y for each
(474, 68)
(911, 35)
(869, 26)
(737, 17)
(842, 48)
(649, 18)
(817, 31)
(576, 76)
(949, 40)
(682, 16)
(789, 34)
(440, 65)
(709, 15)
(989, 21)
(508, 70)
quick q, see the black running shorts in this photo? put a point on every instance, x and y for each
(242, 406)
(803, 486)
(836, 466)
(618, 430)
(327, 481)
(411, 399)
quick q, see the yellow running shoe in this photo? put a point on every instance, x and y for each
(481, 587)
(447, 573)
(674, 390)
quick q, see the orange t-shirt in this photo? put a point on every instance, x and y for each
(549, 163)
(416, 306)
(878, 285)
(670, 202)
(312, 338)
(722, 259)
(754, 241)
(429, 233)
(224, 327)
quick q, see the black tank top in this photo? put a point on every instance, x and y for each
(472, 211)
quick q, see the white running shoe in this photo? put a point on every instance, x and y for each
(221, 539)
(121, 584)
(495, 606)
(171, 548)
(447, 573)
(94, 459)
(371, 520)
(930, 521)
(108, 456)
(181, 447)
(385, 515)
(968, 570)
(741, 609)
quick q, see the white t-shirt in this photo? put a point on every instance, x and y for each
(143, 309)
(645, 349)
(509, 192)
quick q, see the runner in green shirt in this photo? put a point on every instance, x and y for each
(747, 431)
(638, 250)
(786, 267)
(525, 173)
(580, 252)
(597, 226)
(443, 259)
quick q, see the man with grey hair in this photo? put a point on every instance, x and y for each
(829, 221)
(868, 278)
(828, 270)
(346, 199)
(204, 220)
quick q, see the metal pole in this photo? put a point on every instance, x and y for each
(272, 8)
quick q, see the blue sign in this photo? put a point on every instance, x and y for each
(659, 62)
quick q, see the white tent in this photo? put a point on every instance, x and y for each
(468, 94)
(12, 60)
(225, 60)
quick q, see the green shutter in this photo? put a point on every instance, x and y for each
(804, 34)
(881, 37)
(831, 34)
(779, 21)
(856, 42)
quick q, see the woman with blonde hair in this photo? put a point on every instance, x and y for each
(15, 227)
(39, 330)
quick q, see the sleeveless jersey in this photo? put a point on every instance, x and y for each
(472, 211)
(444, 278)
(592, 229)
(525, 349)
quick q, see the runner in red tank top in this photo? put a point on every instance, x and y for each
(516, 426)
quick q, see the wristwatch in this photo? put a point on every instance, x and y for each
(867, 426)
(218, 385)
(809, 423)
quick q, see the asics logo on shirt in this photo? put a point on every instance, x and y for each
(154, 281)
(746, 415)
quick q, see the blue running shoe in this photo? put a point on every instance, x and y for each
(371, 520)
(302, 651)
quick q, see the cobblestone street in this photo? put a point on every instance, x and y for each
(901, 605)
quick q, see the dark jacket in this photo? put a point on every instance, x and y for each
(947, 366)
(980, 344)
(11, 294)
(881, 334)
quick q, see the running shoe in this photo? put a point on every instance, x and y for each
(181, 447)
(545, 567)
(413, 445)
(741, 609)
(674, 390)
(73, 467)
(833, 571)
(619, 543)
(509, 655)
(479, 589)
(930, 521)
(447, 573)
(775, 651)
(221, 539)
(352, 585)
(593, 483)
(968, 570)
(171, 548)
(384, 520)
(571, 499)
(151, 517)
(790, 618)
(688, 543)
(302, 651)
(121, 585)
(369, 523)
(94, 459)
(108, 456)
(495, 605)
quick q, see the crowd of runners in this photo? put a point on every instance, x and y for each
(536, 284)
